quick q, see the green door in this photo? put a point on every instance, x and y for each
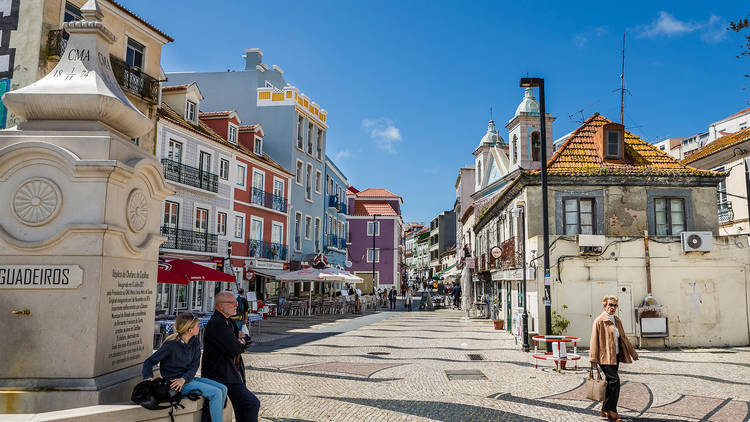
(508, 312)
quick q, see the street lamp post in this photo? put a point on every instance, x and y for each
(374, 232)
(519, 212)
(539, 82)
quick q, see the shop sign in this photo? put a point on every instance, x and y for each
(40, 276)
(249, 275)
(262, 264)
(496, 252)
(470, 263)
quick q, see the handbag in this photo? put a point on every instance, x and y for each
(595, 387)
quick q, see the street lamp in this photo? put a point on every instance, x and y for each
(374, 216)
(519, 212)
(539, 82)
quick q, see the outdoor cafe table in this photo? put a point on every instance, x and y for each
(558, 344)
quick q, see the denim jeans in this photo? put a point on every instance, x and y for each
(246, 405)
(215, 392)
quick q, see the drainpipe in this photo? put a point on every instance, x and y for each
(648, 262)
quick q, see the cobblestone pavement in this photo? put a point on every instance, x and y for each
(391, 366)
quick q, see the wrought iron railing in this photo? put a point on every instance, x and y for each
(334, 241)
(268, 200)
(267, 250)
(342, 207)
(191, 176)
(333, 201)
(129, 78)
(726, 214)
(189, 240)
(511, 256)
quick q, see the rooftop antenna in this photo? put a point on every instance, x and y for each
(582, 117)
(622, 84)
(491, 113)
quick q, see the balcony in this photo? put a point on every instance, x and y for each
(191, 176)
(511, 255)
(726, 214)
(267, 250)
(189, 240)
(268, 200)
(334, 241)
(130, 79)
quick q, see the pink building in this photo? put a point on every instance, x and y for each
(374, 238)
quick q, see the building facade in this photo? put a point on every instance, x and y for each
(295, 128)
(442, 238)
(334, 238)
(135, 57)
(375, 228)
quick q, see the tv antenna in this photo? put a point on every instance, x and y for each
(572, 116)
(622, 88)
(491, 113)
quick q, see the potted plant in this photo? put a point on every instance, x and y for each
(497, 319)
(559, 326)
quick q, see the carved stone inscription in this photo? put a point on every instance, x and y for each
(128, 304)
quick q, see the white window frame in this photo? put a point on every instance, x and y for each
(243, 182)
(607, 154)
(308, 227)
(318, 182)
(376, 228)
(176, 201)
(317, 229)
(223, 160)
(275, 224)
(376, 255)
(299, 177)
(308, 181)
(203, 207)
(170, 149)
(283, 186)
(298, 231)
(258, 146)
(233, 133)
(191, 113)
(241, 220)
(257, 220)
(226, 218)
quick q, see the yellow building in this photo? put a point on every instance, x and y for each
(39, 41)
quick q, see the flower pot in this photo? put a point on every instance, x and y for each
(498, 323)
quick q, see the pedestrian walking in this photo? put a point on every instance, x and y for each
(408, 299)
(456, 292)
(610, 346)
(222, 357)
(392, 297)
(178, 359)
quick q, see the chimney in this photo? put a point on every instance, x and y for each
(253, 57)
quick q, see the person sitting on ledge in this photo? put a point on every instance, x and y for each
(178, 359)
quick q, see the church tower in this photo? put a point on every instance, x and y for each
(483, 154)
(524, 134)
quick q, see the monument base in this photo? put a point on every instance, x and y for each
(34, 395)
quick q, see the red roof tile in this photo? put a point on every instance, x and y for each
(376, 193)
(373, 207)
(351, 190)
(215, 114)
(719, 144)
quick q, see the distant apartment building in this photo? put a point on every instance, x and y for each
(728, 125)
(39, 42)
(680, 148)
(442, 238)
(375, 228)
(410, 248)
(295, 137)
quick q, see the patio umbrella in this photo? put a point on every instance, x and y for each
(307, 274)
(180, 271)
(334, 274)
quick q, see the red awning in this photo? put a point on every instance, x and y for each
(180, 271)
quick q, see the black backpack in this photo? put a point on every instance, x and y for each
(151, 394)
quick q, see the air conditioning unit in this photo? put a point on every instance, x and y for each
(590, 243)
(697, 241)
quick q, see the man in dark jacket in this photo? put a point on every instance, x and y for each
(392, 297)
(223, 345)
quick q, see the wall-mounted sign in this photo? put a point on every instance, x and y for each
(249, 275)
(40, 276)
(263, 264)
(469, 263)
(496, 252)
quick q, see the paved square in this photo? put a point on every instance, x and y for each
(391, 366)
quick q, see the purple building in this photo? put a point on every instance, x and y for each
(374, 242)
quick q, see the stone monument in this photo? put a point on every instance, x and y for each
(79, 234)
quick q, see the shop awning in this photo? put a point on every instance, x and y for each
(180, 271)
(269, 273)
(443, 272)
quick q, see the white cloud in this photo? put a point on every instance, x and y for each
(666, 25)
(383, 131)
(342, 155)
(580, 40)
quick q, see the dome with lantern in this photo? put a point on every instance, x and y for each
(528, 105)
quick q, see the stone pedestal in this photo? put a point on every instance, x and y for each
(79, 246)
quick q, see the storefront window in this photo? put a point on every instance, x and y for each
(181, 298)
(196, 290)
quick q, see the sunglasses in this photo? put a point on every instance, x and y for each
(612, 305)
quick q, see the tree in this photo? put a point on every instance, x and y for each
(738, 27)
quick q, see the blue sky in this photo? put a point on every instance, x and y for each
(408, 85)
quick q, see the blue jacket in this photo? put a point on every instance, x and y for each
(175, 359)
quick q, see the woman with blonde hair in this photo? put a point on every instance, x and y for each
(178, 359)
(609, 347)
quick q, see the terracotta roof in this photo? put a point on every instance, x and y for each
(578, 156)
(141, 20)
(351, 190)
(374, 207)
(248, 127)
(719, 144)
(215, 114)
(376, 193)
(738, 113)
(174, 88)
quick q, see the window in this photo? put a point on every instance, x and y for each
(669, 215)
(316, 239)
(221, 223)
(330, 186)
(257, 194)
(241, 175)
(578, 215)
(319, 144)
(661, 147)
(224, 169)
(72, 13)
(308, 227)
(300, 127)
(258, 147)
(514, 150)
(373, 228)
(721, 191)
(174, 152)
(318, 181)
(134, 54)
(201, 220)
(278, 188)
(298, 175)
(136, 141)
(308, 182)
(309, 138)
(239, 226)
(277, 229)
(204, 162)
(190, 111)
(535, 146)
(373, 255)
(232, 134)
(297, 232)
(613, 139)
(171, 214)
(256, 228)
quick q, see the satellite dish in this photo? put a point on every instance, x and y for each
(348, 264)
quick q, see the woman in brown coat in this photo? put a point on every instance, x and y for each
(609, 347)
